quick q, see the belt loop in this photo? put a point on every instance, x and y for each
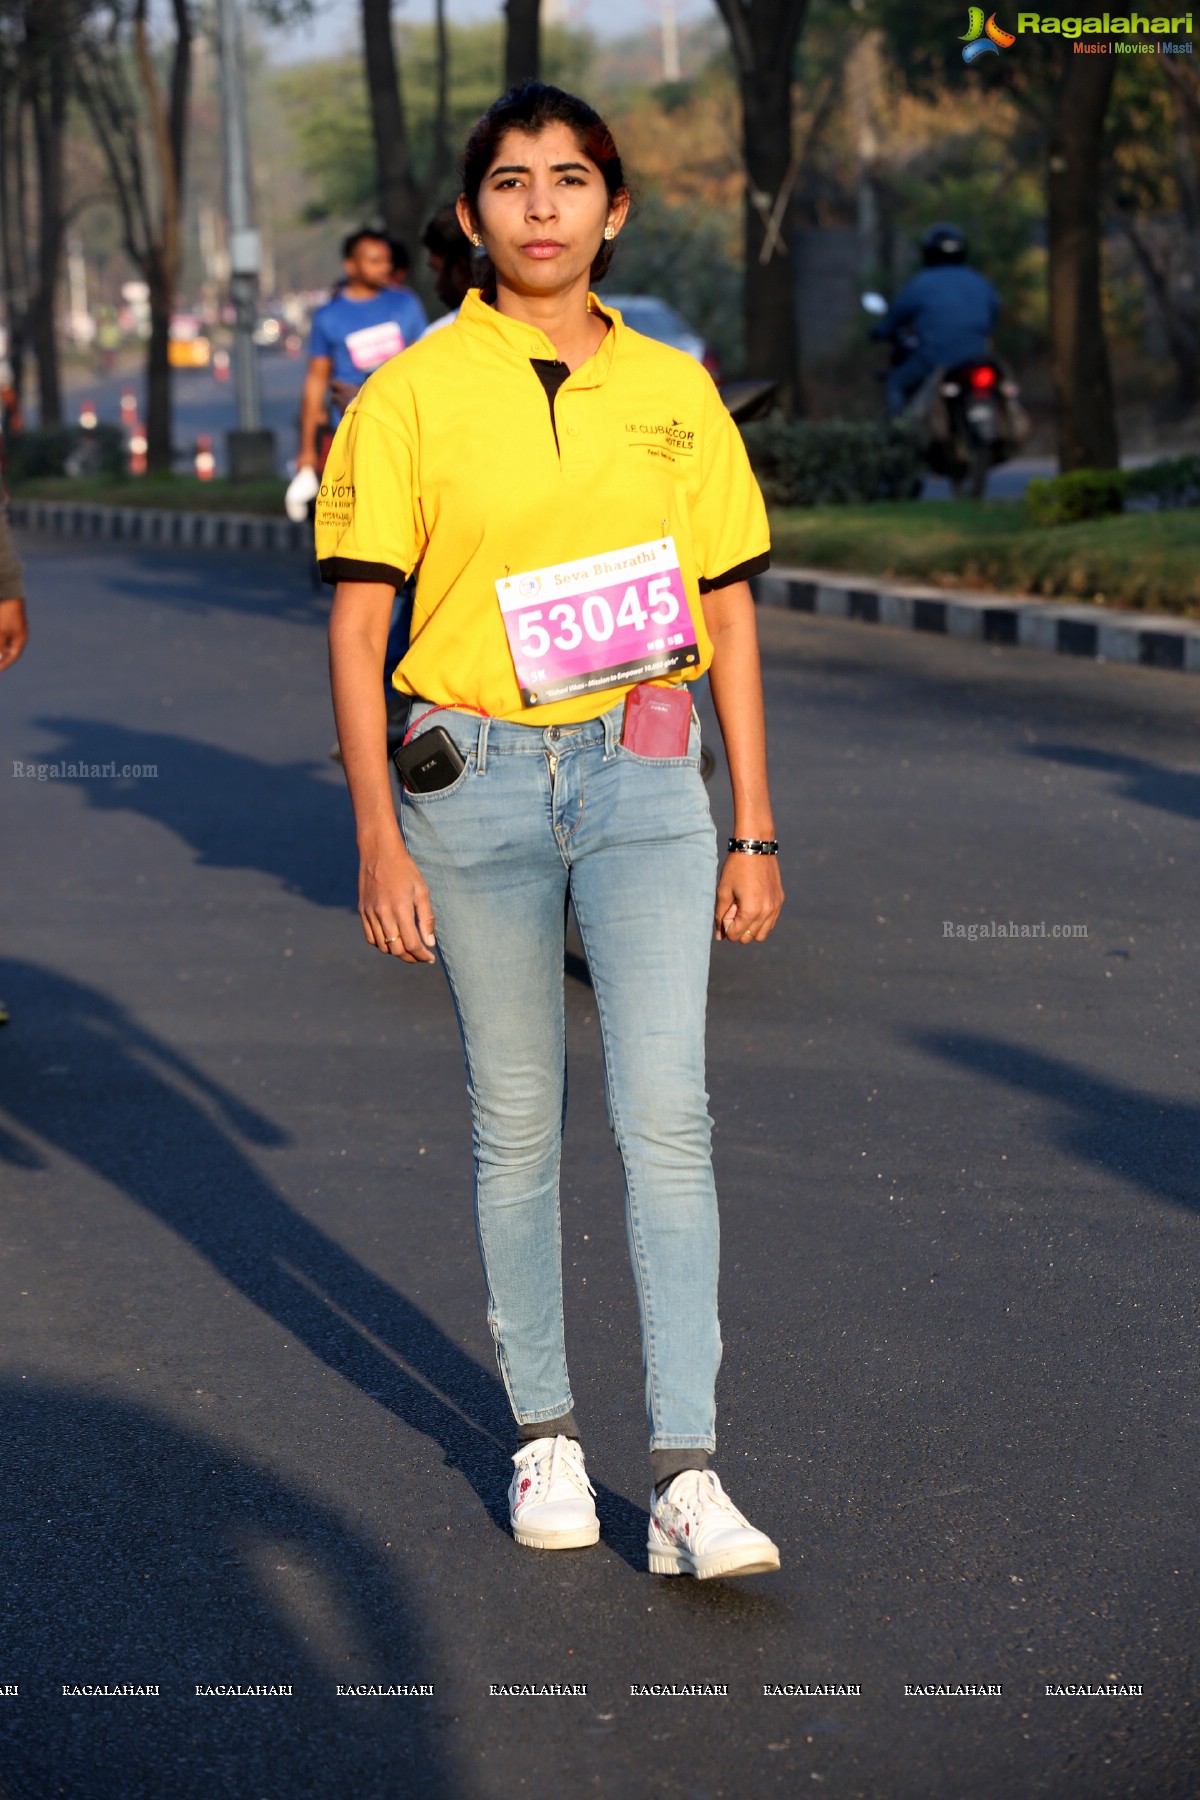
(481, 750)
(610, 731)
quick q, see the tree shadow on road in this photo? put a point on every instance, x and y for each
(1148, 783)
(270, 584)
(1136, 1136)
(137, 1552)
(123, 1103)
(287, 820)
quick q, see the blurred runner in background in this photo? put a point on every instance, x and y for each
(14, 632)
(364, 325)
(450, 259)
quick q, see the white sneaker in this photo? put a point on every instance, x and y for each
(695, 1529)
(550, 1497)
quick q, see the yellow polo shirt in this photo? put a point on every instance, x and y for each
(450, 461)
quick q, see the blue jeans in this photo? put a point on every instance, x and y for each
(904, 380)
(537, 815)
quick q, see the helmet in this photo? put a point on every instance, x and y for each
(943, 243)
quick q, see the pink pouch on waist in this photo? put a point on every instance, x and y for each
(657, 720)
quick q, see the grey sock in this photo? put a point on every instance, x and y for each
(563, 1426)
(667, 1464)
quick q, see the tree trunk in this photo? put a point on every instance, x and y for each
(13, 238)
(521, 42)
(763, 35)
(769, 288)
(49, 107)
(399, 201)
(158, 368)
(1087, 426)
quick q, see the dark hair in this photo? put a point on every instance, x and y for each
(531, 107)
(445, 236)
(364, 234)
(399, 251)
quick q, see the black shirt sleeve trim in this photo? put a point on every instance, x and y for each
(757, 565)
(346, 568)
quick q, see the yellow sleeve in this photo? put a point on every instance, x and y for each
(729, 518)
(368, 515)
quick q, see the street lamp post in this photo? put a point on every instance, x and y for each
(250, 448)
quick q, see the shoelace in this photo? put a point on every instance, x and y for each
(713, 1493)
(560, 1463)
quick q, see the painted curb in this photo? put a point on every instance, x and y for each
(159, 525)
(1102, 633)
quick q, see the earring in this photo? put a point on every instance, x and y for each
(477, 240)
(609, 233)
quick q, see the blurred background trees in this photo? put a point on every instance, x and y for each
(785, 155)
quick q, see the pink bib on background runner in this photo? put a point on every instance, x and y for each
(603, 622)
(373, 345)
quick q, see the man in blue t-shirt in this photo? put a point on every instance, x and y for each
(365, 324)
(948, 307)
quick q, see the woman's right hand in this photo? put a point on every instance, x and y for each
(394, 903)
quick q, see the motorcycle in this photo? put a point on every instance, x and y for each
(970, 416)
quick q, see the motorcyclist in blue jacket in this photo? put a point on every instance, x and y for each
(949, 308)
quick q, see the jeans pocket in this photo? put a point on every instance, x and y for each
(691, 760)
(447, 793)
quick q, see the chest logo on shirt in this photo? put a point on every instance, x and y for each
(670, 440)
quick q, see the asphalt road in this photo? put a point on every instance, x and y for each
(252, 1427)
(201, 403)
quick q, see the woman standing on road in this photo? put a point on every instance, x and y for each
(584, 520)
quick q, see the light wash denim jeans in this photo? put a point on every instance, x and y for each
(537, 814)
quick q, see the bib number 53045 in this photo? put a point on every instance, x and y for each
(594, 617)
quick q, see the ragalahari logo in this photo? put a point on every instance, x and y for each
(984, 40)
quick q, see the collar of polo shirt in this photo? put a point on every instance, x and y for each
(525, 342)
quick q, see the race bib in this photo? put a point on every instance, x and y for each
(603, 622)
(375, 344)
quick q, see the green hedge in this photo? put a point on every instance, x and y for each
(803, 464)
(1172, 483)
(67, 450)
(1164, 486)
(1070, 499)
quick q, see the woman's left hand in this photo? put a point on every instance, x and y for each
(749, 898)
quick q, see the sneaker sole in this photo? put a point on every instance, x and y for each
(558, 1540)
(733, 1562)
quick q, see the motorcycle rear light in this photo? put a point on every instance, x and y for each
(982, 378)
(949, 390)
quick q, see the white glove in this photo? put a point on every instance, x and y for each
(304, 484)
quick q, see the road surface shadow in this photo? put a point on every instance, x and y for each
(80, 1073)
(287, 820)
(269, 584)
(1148, 783)
(136, 1552)
(1136, 1136)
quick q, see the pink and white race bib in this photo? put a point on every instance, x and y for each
(603, 622)
(375, 344)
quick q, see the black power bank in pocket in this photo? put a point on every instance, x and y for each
(430, 762)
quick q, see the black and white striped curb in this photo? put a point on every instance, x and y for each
(1154, 640)
(159, 525)
(1103, 633)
